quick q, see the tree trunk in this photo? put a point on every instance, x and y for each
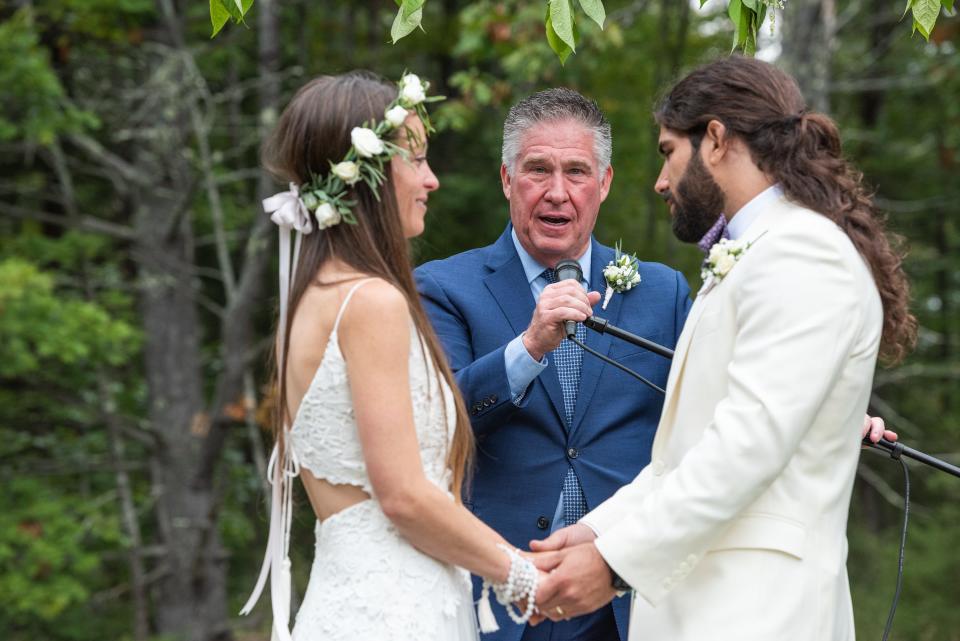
(809, 29)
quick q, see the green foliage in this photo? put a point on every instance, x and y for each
(33, 105)
(46, 558)
(40, 328)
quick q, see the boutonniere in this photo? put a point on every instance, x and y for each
(621, 273)
(723, 256)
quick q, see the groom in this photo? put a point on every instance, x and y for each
(557, 432)
(736, 530)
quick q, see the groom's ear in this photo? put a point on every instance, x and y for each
(715, 143)
(505, 181)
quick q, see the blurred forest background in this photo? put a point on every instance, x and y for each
(137, 271)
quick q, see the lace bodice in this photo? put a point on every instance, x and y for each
(324, 433)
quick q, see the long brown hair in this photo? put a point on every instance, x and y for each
(313, 131)
(763, 106)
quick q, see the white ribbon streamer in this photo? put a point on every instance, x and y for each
(289, 213)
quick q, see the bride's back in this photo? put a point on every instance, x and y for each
(323, 428)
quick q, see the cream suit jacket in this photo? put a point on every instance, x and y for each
(737, 528)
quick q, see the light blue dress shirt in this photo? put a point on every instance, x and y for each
(521, 367)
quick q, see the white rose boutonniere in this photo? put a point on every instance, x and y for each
(722, 257)
(621, 274)
(366, 142)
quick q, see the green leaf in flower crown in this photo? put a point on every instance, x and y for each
(403, 26)
(594, 10)
(559, 47)
(925, 13)
(561, 17)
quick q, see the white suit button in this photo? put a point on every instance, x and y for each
(659, 467)
(692, 559)
(684, 567)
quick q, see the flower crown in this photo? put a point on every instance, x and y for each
(325, 194)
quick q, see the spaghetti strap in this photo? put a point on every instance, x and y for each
(343, 305)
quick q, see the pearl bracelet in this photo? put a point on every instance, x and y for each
(521, 584)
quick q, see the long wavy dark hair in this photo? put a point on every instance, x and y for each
(763, 106)
(312, 132)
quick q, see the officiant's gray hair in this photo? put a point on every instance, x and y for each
(552, 105)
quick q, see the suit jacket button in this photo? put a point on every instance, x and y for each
(486, 402)
(493, 398)
(543, 523)
(572, 452)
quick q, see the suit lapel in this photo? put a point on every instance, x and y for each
(759, 227)
(508, 284)
(592, 367)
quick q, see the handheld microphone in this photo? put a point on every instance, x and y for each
(568, 268)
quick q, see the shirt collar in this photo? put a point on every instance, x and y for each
(533, 269)
(741, 220)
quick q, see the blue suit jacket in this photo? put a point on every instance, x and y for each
(478, 301)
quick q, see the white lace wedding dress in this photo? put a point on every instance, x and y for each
(367, 582)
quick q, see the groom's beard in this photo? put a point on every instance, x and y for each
(697, 202)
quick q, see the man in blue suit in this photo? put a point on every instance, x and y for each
(557, 433)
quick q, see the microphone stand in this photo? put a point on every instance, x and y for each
(898, 449)
(601, 325)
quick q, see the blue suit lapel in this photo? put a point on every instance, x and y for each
(592, 366)
(508, 284)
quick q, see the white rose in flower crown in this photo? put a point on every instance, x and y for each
(411, 89)
(347, 171)
(366, 142)
(396, 115)
(327, 215)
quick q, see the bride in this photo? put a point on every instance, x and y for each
(369, 414)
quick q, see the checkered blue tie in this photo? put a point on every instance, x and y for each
(568, 358)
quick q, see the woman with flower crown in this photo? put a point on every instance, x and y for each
(369, 416)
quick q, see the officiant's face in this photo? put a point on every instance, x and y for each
(555, 190)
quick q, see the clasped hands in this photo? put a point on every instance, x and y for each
(574, 578)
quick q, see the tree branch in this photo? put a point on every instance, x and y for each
(84, 223)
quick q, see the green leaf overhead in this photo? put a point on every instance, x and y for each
(561, 17)
(925, 13)
(408, 18)
(218, 16)
(594, 10)
(559, 47)
(408, 7)
(223, 10)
